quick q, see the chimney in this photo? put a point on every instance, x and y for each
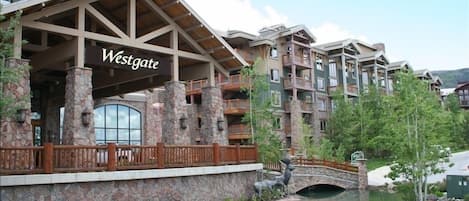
(380, 46)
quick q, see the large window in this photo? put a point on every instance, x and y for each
(273, 52)
(332, 68)
(276, 98)
(118, 124)
(322, 105)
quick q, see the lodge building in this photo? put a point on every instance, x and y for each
(148, 71)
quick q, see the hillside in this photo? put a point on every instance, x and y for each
(452, 77)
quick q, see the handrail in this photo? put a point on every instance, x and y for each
(325, 163)
(75, 158)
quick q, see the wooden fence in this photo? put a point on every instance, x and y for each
(71, 158)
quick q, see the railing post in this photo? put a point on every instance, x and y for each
(238, 154)
(216, 154)
(48, 156)
(160, 156)
(256, 153)
(111, 157)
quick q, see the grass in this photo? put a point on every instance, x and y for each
(374, 163)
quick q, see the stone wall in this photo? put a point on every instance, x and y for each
(207, 187)
(212, 112)
(174, 110)
(295, 122)
(12, 132)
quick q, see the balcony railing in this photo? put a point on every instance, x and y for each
(288, 60)
(351, 89)
(195, 86)
(304, 106)
(239, 131)
(236, 106)
(234, 82)
(71, 158)
(301, 83)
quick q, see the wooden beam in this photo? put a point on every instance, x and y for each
(182, 16)
(106, 22)
(211, 74)
(57, 54)
(211, 51)
(155, 33)
(132, 19)
(226, 59)
(34, 48)
(192, 28)
(51, 28)
(169, 4)
(58, 8)
(205, 38)
(17, 41)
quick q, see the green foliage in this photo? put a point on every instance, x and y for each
(466, 197)
(269, 195)
(306, 141)
(459, 123)
(8, 102)
(452, 77)
(406, 191)
(260, 115)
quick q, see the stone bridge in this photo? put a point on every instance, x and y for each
(313, 172)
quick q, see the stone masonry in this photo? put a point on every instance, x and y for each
(153, 114)
(14, 134)
(305, 176)
(295, 121)
(362, 174)
(78, 100)
(235, 186)
(174, 111)
(212, 112)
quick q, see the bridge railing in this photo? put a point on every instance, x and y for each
(273, 166)
(326, 163)
(72, 158)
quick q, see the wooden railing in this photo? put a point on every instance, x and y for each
(195, 86)
(235, 106)
(325, 163)
(288, 60)
(239, 128)
(350, 89)
(304, 106)
(232, 82)
(300, 83)
(70, 158)
(273, 166)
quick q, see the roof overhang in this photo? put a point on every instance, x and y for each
(299, 28)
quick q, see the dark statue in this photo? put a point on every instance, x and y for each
(280, 181)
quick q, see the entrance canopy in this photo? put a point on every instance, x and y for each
(130, 44)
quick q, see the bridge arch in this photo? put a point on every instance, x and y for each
(307, 176)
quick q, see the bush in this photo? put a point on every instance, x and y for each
(466, 197)
(406, 191)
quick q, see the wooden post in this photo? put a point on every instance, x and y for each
(111, 157)
(160, 156)
(256, 153)
(48, 156)
(216, 154)
(238, 154)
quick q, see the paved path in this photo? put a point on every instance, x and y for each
(461, 167)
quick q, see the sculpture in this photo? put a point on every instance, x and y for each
(280, 181)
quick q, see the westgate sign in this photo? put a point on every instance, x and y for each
(122, 59)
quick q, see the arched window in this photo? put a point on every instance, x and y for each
(118, 124)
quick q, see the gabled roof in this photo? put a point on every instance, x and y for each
(298, 28)
(398, 65)
(340, 44)
(373, 56)
(214, 45)
(423, 73)
(462, 85)
(437, 80)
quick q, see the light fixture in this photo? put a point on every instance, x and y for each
(21, 115)
(86, 117)
(183, 121)
(220, 123)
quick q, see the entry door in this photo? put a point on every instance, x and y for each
(37, 132)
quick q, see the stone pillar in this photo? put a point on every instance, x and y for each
(295, 122)
(174, 111)
(153, 117)
(14, 134)
(78, 103)
(212, 113)
(362, 174)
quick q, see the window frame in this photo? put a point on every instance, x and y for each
(128, 109)
(272, 78)
(275, 93)
(321, 80)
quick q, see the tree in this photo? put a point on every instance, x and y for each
(8, 102)
(417, 123)
(260, 115)
(459, 125)
(306, 141)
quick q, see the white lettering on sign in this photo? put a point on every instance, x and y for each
(134, 62)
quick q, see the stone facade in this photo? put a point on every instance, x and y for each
(153, 118)
(212, 112)
(295, 122)
(78, 101)
(305, 176)
(362, 174)
(206, 187)
(14, 133)
(174, 111)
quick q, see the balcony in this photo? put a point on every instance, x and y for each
(234, 82)
(195, 86)
(239, 132)
(301, 83)
(289, 60)
(464, 103)
(351, 90)
(236, 106)
(305, 107)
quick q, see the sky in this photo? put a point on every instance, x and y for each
(431, 34)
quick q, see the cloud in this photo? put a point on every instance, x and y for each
(330, 32)
(237, 15)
